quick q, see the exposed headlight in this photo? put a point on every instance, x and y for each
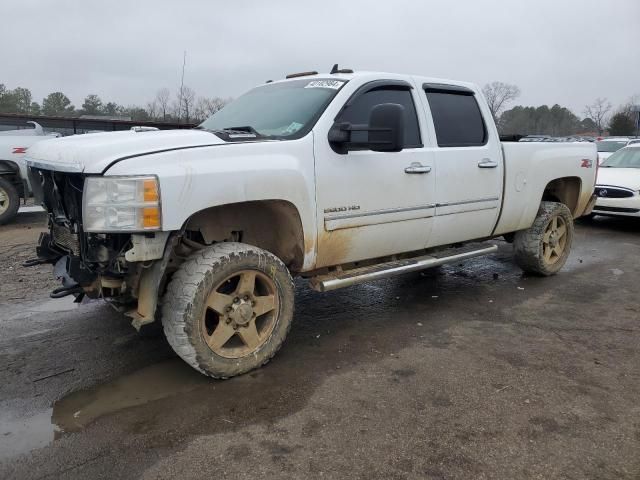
(121, 204)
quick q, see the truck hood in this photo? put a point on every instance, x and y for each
(619, 177)
(94, 153)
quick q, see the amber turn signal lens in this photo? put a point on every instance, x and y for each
(151, 217)
(150, 190)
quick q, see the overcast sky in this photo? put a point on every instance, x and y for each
(557, 51)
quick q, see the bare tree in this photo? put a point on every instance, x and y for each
(152, 109)
(205, 107)
(162, 99)
(598, 111)
(186, 101)
(498, 95)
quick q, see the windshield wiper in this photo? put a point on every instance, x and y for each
(243, 129)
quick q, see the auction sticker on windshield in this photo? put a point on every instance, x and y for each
(334, 84)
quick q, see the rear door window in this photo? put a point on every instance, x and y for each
(457, 118)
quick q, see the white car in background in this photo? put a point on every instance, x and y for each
(608, 146)
(618, 184)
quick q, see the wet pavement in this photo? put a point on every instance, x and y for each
(467, 371)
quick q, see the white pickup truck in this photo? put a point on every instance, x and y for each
(14, 183)
(339, 178)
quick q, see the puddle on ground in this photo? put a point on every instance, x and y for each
(155, 382)
(79, 409)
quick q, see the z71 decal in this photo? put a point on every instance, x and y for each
(18, 150)
(587, 163)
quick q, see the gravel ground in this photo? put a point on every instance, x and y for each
(468, 371)
(17, 244)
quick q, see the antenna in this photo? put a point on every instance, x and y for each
(184, 63)
(336, 69)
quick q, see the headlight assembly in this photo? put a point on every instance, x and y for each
(121, 204)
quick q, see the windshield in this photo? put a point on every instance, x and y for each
(280, 110)
(626, 158)
(610, 146)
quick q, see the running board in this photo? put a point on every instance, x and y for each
(346, 278)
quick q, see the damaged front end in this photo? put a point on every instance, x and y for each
(125, 268)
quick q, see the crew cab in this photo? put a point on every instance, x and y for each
(339, 178)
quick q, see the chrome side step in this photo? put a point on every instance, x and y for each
(346, 278)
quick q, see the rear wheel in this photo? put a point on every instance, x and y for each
(9, 201)
(228, 309)
(544, 247)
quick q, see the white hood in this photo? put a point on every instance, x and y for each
(619, 177)
(94, 153)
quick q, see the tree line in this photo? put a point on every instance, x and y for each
(182, 107)
(558, 121)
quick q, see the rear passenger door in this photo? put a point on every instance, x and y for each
(469, 165)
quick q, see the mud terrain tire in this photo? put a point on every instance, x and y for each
(544, 247)
(187, 308)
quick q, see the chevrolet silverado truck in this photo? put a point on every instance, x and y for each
(338, 178)
(14, 183)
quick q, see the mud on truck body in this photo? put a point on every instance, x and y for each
(339, 178)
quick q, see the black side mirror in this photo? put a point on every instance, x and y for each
(386, 127)
(385, 131)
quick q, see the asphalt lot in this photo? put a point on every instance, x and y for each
(468, 371)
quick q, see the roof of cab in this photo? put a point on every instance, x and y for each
(380, 75)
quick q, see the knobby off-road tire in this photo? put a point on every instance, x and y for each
(228, 290)
(9, 201)
(544, 248)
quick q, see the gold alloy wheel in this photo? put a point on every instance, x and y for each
(554, 240)
(4, 201)
(240, 314)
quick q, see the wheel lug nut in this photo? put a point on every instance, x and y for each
(245, 298)
(228, 309)
(253, 304)
(236, 300)
(228, 320)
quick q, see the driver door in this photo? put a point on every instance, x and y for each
(373, 204)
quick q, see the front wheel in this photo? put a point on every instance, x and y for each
(9, 201)
(228, 309)
(544, 247)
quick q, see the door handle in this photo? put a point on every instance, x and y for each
(487, 163)
(417, 167)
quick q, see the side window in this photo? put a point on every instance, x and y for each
(358, 113)
(457, 119)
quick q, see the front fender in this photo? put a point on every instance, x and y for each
(193, 180)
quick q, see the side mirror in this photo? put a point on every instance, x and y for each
(385, 131)
(386, 127)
